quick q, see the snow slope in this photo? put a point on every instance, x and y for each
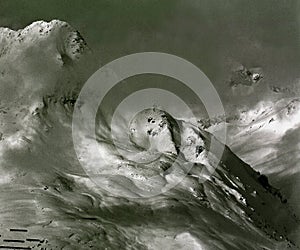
(45, 190)
(267, 137)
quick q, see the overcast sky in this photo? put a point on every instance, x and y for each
(217, 36)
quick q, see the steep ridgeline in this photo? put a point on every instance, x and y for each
(48, 201)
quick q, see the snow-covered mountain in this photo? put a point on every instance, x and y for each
(46, 193)
(267, 137)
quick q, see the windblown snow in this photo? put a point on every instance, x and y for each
(45, 190)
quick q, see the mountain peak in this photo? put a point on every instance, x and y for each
(55, 34)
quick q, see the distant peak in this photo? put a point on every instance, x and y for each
(68, 41)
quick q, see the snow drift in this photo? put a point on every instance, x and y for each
(45, 190)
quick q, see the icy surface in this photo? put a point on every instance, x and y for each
(270, 130)
(45, 190)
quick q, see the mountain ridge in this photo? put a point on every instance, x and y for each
(45, 189)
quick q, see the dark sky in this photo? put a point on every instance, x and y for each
(217, 36)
